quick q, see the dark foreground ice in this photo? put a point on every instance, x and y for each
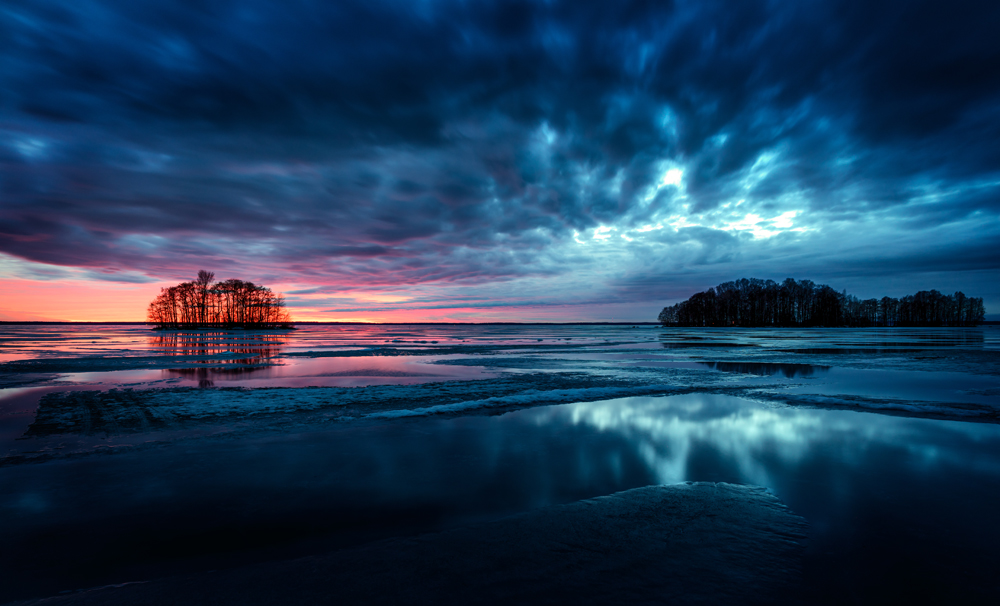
(689, 543)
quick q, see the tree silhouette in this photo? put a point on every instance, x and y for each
(753, 302)
(229, 304)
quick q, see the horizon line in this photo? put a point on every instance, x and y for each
(311, 322)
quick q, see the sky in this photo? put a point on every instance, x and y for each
(449, 160)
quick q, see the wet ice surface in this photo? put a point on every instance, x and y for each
(723, 543)
(129, 455)
(894, 504)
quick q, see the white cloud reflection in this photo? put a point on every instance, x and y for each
(763, 441)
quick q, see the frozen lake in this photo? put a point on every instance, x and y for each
(130, 455)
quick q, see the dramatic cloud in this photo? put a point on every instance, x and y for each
(579, 160)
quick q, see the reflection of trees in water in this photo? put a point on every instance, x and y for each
(951, 338)
(224, 353)
(204, 374)
(767, 369)
(903, 337)
(900, 340)
(217, 343)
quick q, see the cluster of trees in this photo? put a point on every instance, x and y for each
(754, 302)
(227, 304)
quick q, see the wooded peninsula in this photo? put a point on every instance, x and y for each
(753, 302)
(204, 303)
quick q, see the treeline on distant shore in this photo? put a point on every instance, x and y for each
(227, 304)
(754, 302)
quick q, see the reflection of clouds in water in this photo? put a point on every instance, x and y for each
(666, 431)
(949, 445)
(757, 441)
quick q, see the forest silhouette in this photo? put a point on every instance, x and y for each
(204, 303)
(754, 302)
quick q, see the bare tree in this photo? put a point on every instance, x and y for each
(229, 304)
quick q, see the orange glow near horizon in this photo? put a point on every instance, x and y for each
(29, 300)
(78, 301)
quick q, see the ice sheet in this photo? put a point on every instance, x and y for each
(693, 542)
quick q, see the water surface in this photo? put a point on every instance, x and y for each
(899, 507)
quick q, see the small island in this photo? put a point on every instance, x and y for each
(204, 303)
(759, 303)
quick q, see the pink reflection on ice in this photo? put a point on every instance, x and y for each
(329, 372)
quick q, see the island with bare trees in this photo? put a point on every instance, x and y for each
(754, 302)
(204, 303)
